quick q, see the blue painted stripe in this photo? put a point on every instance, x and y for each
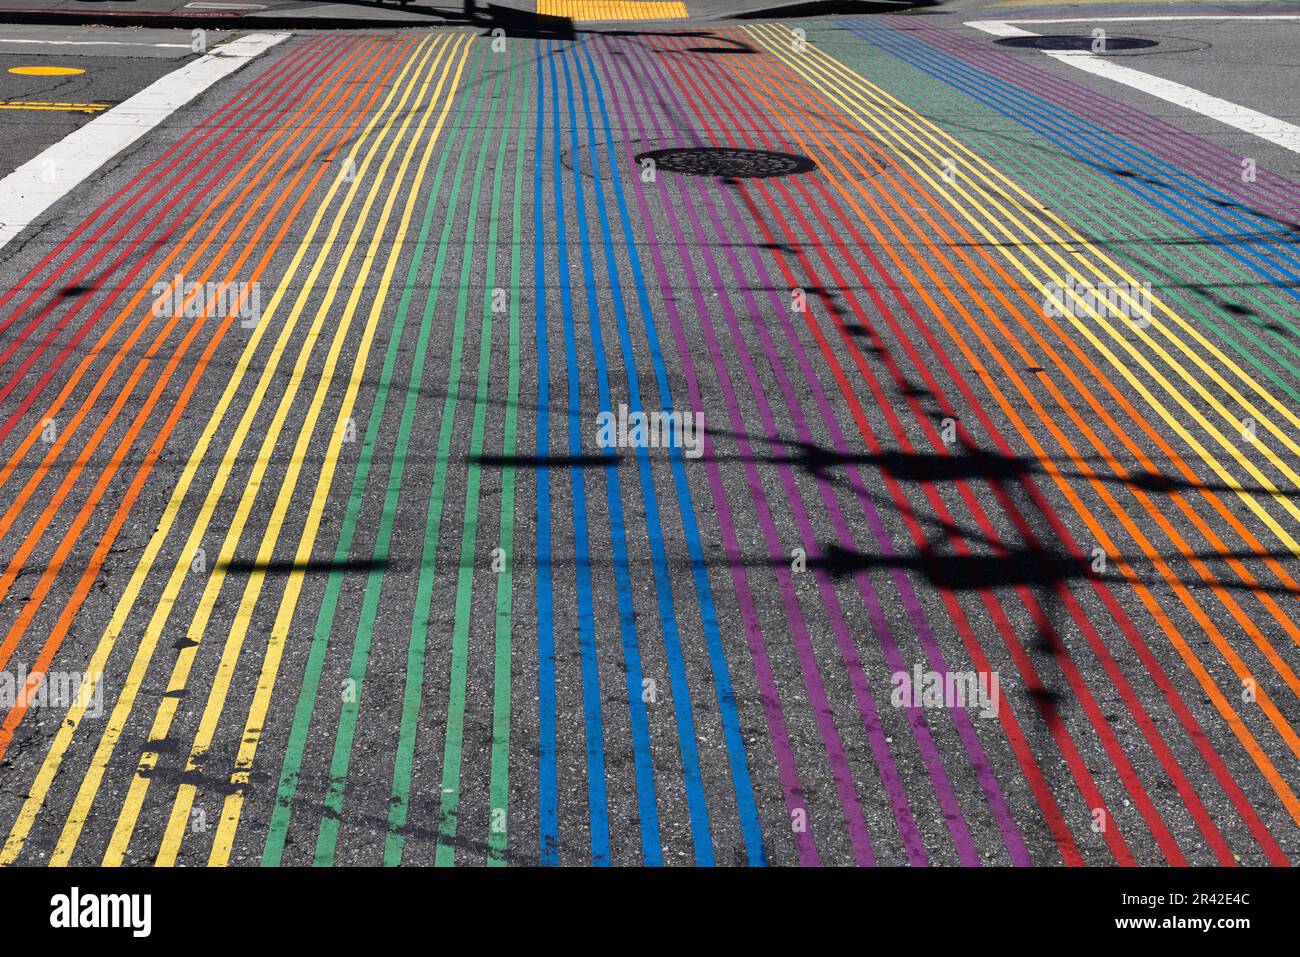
(751, 829)
(548, 819)
(652, 853)
(697, 805)
(598, 810)
(1018, 104)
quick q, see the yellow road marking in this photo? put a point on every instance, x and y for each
(139, 787)
(289, 600)
(148, 642)
(68, 107)
(613, 9)
(1040, 281)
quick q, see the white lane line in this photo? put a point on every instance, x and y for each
(1270, 128)
(1279, 132)
(999, 28)
(980, 24)
(41, 182)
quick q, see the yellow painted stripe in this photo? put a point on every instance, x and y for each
(66, 107)
(819, 68)
(134, 800)
(613, 9)
(289, 601)
(924, 167)
(149, 640)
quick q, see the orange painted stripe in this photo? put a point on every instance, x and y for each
(1225, 596)
(791, 81)
(331, 86)
(66, 434)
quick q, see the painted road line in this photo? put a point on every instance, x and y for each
(92, 43)
(597, 785)
(884, 544)
(846, 788)
(1219, 197)
(770, 695)
(931, 108)
(68, 727)
(833, 222)
(105, 419)
(989, 26)
(62, 552)
(548, 823)
(234, 112)
(706, 210)
(594, 10)
(340, 761)
(1278, 132)
(417, 644)
(889, 110)
(1135, 640)
(298, 735)
(211, 716)
(1248, 626)
(818, 101)
(452, 752)
(1264, 302)
(999, 28)
(1272, 307)
(502, 678)
(167, 709)
(53, 761)
(60, 107)
(952, 73)
(46, 70)
(824, 82)
(239, 779)
(630, 635)
(27, 192)
(196, 168)
(742, 785)
(149, 640)
(55, 638)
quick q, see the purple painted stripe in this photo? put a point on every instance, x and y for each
(854, 819)
(916, 718)
(1198, 155)
(1001, 812)
(844, 638)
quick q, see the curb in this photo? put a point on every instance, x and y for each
(211, 20)
(403, 19)
(814, 8)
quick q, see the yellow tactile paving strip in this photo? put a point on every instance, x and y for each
(613, 9)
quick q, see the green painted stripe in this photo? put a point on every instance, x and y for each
(1114, 215)
(499, 787)
(289, 775)
(399, 806)
(327, 840)
(449, 805)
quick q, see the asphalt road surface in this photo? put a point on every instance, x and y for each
(843, 440)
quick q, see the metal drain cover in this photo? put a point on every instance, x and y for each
(728, 162)
(1077, 43)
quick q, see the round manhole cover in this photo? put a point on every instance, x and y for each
(728, 162)
(1080, 43)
